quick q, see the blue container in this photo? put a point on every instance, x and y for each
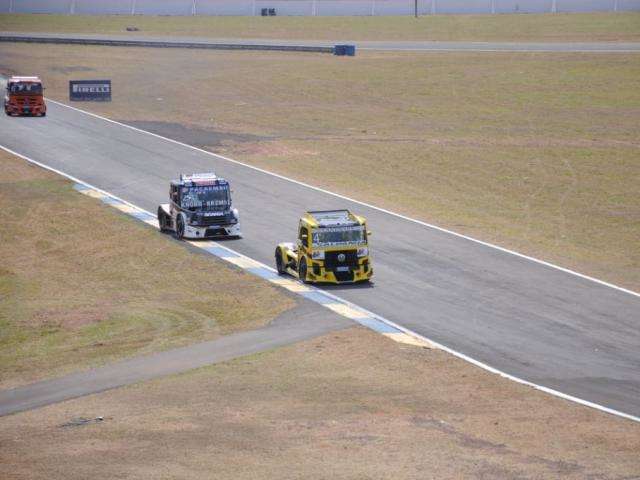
(349, 50)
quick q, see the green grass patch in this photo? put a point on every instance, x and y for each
(513, 27)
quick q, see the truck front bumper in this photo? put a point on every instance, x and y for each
(361, 273)
(217, 231)
(13, 109)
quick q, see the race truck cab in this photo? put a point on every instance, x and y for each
(332, 247)
(200, 207)
(24, 96)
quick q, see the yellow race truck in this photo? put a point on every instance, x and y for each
(332, 247)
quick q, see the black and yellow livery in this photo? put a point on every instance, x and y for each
(332, 247)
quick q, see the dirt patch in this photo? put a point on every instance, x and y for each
(70, 318)
(273, 147)
(72, 69)
(6, 71)
(348, 405)
(193, 135)
(19, 171)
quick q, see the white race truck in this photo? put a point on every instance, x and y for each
(200, 207)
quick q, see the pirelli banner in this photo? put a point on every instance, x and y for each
(91, 90)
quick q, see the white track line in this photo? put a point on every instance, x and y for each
(487, 50)
(451, 351)
(343, 197)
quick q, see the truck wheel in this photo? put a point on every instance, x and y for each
(162, 220)
(302, 270)
(179, 227)
(279, 262)
(43, 114)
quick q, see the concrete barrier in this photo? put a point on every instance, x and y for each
(341, 50)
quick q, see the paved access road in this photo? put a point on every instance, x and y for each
(408, 46)
(306, 320)
(529, 320)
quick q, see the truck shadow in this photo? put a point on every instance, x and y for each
(329, 287)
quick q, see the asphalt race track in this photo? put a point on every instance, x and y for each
(529, 320)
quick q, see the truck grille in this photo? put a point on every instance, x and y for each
(331, 259)
(27, 101)
(207, 221)
(215, 232)
(344, 276)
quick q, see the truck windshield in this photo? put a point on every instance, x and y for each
(26, 88)
(324, 237)
(209, 197)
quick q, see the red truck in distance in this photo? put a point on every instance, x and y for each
(24, 96)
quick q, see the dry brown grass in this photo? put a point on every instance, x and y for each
(536, 152)
(81, 284)
(348, 405)
(585, 27)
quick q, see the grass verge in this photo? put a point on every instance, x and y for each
(535, 152)
(610, 27)
(81, 284)
(348, 405)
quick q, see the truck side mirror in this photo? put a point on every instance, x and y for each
(368, 233)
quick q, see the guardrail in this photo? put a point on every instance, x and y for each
(164, 44)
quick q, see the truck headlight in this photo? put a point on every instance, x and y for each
(363, 252)
(317, 255)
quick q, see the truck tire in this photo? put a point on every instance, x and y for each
(279, 263)
(162, 220)
(302, 270)
(179, 227)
